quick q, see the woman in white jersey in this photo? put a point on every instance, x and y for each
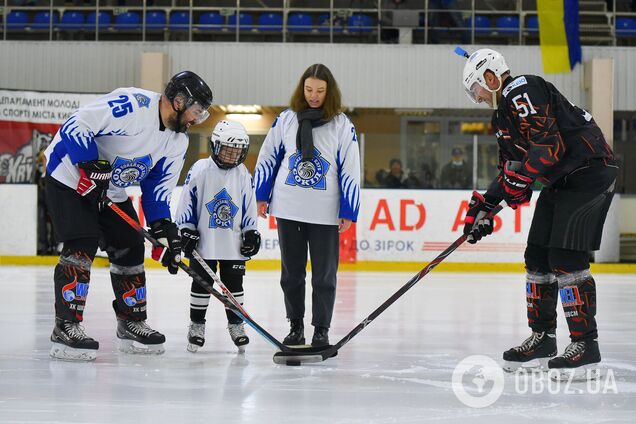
(308, 177)
(217, 216)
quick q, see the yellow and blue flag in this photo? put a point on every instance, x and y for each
(559, 35)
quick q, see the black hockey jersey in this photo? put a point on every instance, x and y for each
(536, 125)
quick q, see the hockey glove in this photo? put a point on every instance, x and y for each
(167, 233)
(251, 243)
(189, 239)
(476, 224)
(94, 180)
(517, 187)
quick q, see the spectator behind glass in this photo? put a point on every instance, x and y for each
(456, 173)
(396, 178)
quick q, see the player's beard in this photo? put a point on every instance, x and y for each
(176, 123)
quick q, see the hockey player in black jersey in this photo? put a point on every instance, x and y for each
(544, 138)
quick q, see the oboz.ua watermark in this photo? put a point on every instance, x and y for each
(478, 381)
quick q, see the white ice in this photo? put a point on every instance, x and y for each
(397, 370)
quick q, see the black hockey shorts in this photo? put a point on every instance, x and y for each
(571, 214)
(75, 217)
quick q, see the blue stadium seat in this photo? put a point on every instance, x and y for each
(128, 21)
(179, 20)
(270, 22)
(532, 23)
(625, 27)
(482, 24)
(17, 19)
(42, 20)
(508, 24)
(156, 19)
(299, 22)
(323, 24)
(72, 20)
(246, 21)
(360, 23)
(104, 21)
(211, 21)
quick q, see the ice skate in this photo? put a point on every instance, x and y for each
(196, 336)
(533, 353)
(70, 343)
(579, 362)
(138, 337)
(237, 333)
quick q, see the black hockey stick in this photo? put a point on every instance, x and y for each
(307, 356)
(285, 357)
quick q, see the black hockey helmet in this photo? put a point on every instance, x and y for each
(192, 87)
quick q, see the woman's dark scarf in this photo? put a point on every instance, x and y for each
(308, 119)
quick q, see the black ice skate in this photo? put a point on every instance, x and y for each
(533, 353)
(321, 337)
(196, 336)
(296, 334)
(579, 362)
(71, 343)
(237, 333)
(138, 337)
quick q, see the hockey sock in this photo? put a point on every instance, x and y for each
(541, 298)
(129, 286)
(71, 277)
(199, 301)
(578, 297)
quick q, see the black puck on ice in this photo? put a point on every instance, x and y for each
(292, 362)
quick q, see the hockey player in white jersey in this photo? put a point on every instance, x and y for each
(217, 217)
(127, 136)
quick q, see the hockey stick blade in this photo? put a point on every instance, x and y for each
(303, 355)
(331, 351)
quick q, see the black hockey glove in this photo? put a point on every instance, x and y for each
(167, 233)
(94, 180)
(517, 187)
(251, 243)
(476, 224)
(189, 239)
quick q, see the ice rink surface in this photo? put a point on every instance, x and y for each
(397, 370)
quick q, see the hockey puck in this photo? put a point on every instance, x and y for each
(292, 362)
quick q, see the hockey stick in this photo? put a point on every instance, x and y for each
(307, 356)
(285, 357)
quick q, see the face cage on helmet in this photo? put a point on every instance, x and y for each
(229, 155)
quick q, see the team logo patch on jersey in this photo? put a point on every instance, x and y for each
(127, 171)
(134, 296)
(518, 82)
(142, 101)
(222, 210)
(309, 173)
(75, 291)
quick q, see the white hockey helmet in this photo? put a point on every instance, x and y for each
(229, 144)
(479, 62)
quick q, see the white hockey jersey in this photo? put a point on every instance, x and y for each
(318, 191)
(122, 127)
(220, 204)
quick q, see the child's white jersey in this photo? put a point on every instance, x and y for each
(124, 128)
(220, 204)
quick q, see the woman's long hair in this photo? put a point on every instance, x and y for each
(333, 100)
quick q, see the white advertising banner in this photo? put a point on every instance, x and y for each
(414, 225)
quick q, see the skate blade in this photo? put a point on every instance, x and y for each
(67, 353)
(241, 348)
(192, 347)
(588, 372)
(539, 364)
(131, 346)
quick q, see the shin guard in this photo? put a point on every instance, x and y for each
(129, 286)
(578, 297)
(71, 277)
(541, 298)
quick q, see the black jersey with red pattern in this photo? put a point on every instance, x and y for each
(536, 125)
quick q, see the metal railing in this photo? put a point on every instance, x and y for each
(434, 24)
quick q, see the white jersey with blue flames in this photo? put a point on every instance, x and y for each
(319, 191)
(220, 204)
(124, 128)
